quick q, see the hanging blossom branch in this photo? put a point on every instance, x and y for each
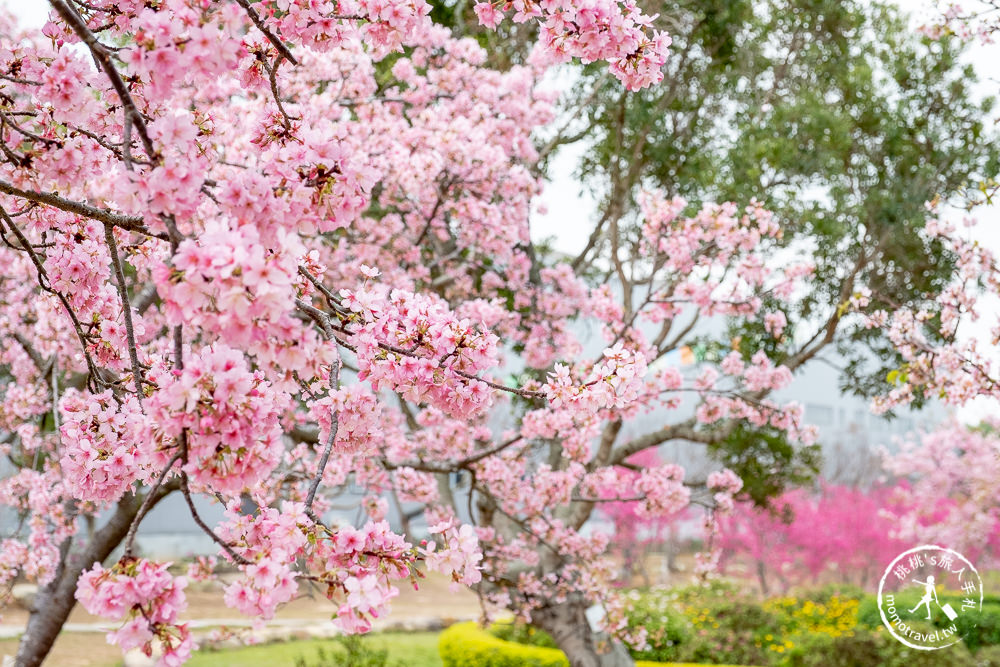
(43, 282)
(323, 319)
(270, 36)
(101, 55)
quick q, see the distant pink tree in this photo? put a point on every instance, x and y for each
(841, 532)
(952, 491)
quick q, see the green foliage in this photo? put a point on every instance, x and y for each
(468, 645)
(522, 633)
(356, 653)
(406, 649)
(735, 631)
(836, 626)
(982, 629)
(844, 122)
(833, 625)
(863, 648)
(765, 460)
(988, 656)
(976, 630)
(667, 628)
(705, 624)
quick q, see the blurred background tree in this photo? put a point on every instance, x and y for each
(834, 113)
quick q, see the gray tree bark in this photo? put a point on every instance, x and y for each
(567, 623)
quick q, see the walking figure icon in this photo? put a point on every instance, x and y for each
(930, 593)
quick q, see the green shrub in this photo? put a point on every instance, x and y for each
(708, 624)
(988, 657)
(868, 614)
(732, 631)
(864, 648)
(857, 650)
(982, 629)
(522, 633)
(825, 593)
(357, 653)
(714, 589)
(668, 629)
(468, 645)
(977, 630)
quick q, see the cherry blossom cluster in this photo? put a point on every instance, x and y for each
(594, 30)
(973, 20)
(77, 266)
(194, 197)
(100, 449)
(356, 566)
(663, 490)
(359, 566)
(269, 541)
(704, 248)
(147, 599)
(615, 382)
(939, 359)
(412, 344)
(40, 496)
(460, 557)
(229, 282)
(357, 412)
(225, 415)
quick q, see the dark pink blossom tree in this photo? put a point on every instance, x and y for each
(842, 533)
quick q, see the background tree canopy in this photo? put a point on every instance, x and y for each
(834, 113)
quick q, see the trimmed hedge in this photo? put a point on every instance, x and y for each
(468, 645)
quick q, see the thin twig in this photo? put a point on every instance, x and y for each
(43, 283)
(147, 503)
(133, 353)
(334, 423)
(240, 560)
(271, 37)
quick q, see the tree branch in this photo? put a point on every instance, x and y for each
(108, 217)
(271, 37)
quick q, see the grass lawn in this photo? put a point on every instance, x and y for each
(417, 649)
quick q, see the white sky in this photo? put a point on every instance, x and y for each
(570, 214)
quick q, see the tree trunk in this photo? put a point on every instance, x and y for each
(673, 548)
(567, 623)
(55, 601)
(762, 578)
